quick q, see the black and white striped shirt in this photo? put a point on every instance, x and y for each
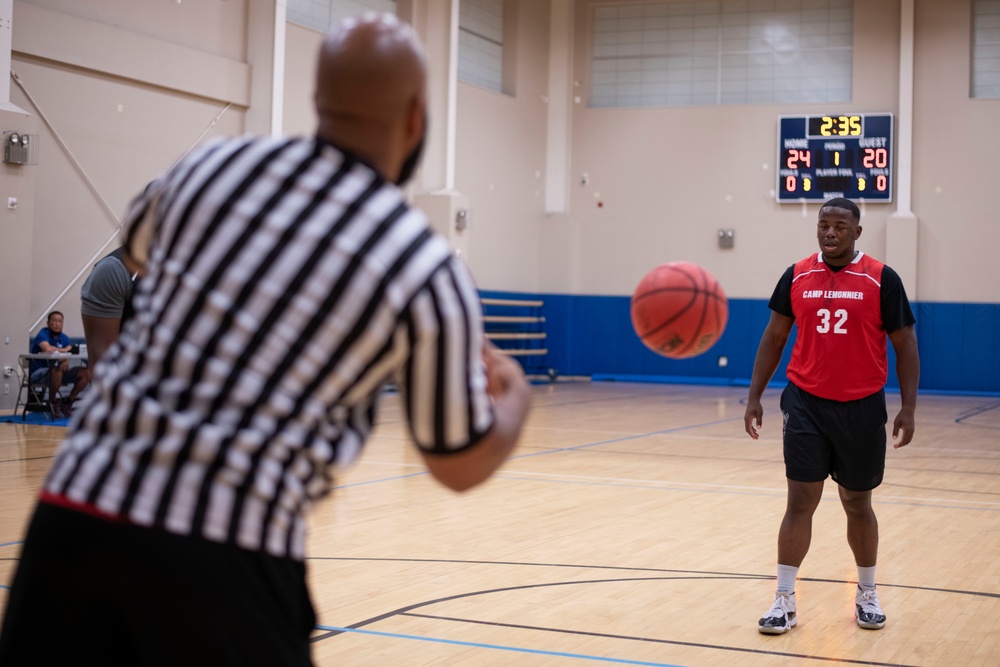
(286, 283)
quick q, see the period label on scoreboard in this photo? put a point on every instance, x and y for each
(842, 155)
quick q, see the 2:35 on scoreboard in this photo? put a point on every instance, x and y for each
(835, 155)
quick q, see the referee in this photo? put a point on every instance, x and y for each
(284, 283)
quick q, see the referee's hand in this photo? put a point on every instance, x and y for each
(503, 374)
(511, 396)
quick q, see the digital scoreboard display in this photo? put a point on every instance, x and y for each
(821, 157)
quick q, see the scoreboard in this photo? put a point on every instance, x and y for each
(821, 157)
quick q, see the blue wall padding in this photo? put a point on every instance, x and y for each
(959, 346)
(592, 336)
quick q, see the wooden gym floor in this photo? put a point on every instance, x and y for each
(635, 525)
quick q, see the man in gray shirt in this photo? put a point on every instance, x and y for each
(105, 303)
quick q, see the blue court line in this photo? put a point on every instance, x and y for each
(625, 438)
(377, 481)
(8, 544)
(558, 654)
(762, 494)
(665, 486)
(553, 451)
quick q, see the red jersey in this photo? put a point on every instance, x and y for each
(840, 351)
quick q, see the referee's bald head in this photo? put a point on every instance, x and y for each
(371, 91)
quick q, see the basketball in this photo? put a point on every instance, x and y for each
(679, 310)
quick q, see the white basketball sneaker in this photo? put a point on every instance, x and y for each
(780, 618)
(867, 610)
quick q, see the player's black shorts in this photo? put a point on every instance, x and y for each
(89, 591)
(842, 439)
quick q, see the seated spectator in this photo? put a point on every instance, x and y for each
(105, 304)
(57, 372)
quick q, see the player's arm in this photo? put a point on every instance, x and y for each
(102, 303)
(100, 333)
(509, 390)
(897, 317)
(772, 344)
(904, 343)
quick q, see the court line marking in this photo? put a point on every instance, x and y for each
(923, 502)
(498, 647)
(673, 642)
(729, 488)
(918, 502)
(654, 484)
(573, 566)
(554, 451)
(407, 610)
(931, 488)
(28, 458)
(33, 438)
(334, 631)
(702, 574)
(913, 501)
(606, 479)
(973, 412)
(625, 438)
(402, 464)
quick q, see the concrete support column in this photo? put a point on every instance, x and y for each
(6, 23)
(560, 109)
(902, 225)
(447, 212)
(16, 230)
(436, 22)
(266, 57)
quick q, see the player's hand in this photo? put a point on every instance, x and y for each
(902, 428)
(752, 417)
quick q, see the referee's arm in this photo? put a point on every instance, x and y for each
(509, 390)
(466, 402)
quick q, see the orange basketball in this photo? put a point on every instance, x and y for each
(679, 310)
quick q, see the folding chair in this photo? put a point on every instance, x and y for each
(34, 396)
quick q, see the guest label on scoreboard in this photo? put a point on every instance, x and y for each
(835, 155)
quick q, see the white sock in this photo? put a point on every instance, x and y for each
(786, 578)
(866, 578)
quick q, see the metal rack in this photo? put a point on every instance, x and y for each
(519, 332)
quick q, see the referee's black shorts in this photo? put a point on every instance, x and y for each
(842, 439)
(89, 591)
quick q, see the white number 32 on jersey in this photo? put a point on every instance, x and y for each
(824, 321)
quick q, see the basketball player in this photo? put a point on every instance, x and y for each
(844, 303)
(284, 282)
(105, 304)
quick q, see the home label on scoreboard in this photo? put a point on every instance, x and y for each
(842, 155)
